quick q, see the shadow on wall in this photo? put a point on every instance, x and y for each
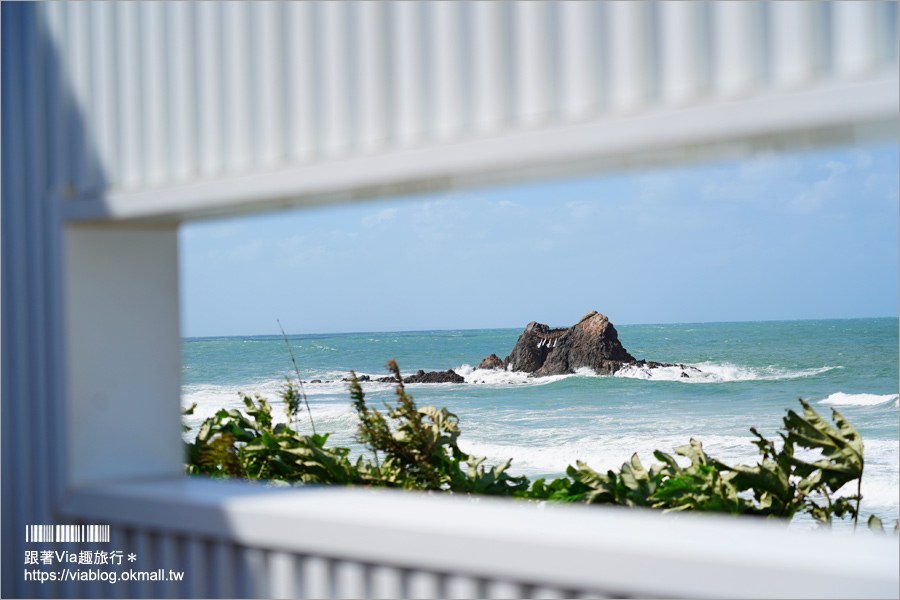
(49, 158)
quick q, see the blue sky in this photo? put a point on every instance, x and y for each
(785, 236)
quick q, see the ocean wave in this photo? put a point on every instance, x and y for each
(332, 381)
(842, 399)
(716, 373)
(501, 377)
(544, 452)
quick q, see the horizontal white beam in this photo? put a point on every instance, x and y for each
(837, 114)
(610, 550)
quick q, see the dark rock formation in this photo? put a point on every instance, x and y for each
(593, 342)
(359, 378)
(532, 348)
(421, 376)
(492, 362)
(448, 376)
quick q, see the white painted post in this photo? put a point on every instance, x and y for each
(123, 353)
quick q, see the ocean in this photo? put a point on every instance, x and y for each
(752, 372)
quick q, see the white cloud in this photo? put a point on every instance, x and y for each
(837, 168)
(656, 186)
(443, 218)
(768, 167)
(249, 250)
(820, 192)
(580, 209)
(291, 244)
(380, 217)
(863, 160)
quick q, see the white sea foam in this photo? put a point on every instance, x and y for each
(499, 377)
(842, 399)
(586, 372)
(544, 452)
(715, 373)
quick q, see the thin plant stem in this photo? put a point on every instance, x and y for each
(299, 379)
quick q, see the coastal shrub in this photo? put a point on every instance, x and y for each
(780, 485)
(419, 447)
(416, 448)
(248, 446)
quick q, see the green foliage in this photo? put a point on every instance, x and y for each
(187, 411)
(780, 485)
(416, 448)
(246, 445)
(291, 397)
(419, 447)
(704, 485)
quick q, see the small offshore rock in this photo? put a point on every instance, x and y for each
(491, 362)
(448, 376)
(359, 378)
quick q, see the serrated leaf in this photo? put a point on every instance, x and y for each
(841, 446)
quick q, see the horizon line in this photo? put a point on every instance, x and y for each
(198, 337)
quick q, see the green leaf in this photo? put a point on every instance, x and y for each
(672, 467)
(694, 452)
(875, 524)
(841, 446)
(595, 488)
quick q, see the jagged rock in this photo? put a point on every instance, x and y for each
(593, 342)
(529, 353)
(448, 376)
(492, 362)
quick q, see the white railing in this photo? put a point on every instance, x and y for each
(240, 540)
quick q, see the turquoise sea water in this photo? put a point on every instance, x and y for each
(752, 373)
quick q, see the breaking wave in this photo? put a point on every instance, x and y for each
(842, 399)
(501, 377)
(716, 373)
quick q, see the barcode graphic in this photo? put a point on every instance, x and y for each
(67, 533)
